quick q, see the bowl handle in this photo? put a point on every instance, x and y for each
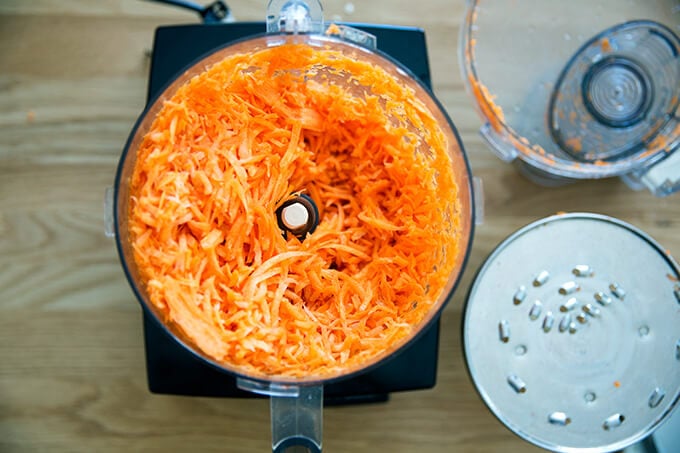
(296, 415)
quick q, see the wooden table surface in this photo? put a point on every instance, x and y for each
(73, 78)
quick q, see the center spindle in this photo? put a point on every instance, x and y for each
(298, 216)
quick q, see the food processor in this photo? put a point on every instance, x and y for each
(297, 400)
(578, 90)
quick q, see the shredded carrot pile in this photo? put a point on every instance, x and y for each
(236, 141)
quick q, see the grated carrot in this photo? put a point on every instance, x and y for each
(236, 141)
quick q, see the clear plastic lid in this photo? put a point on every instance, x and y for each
(577, 90)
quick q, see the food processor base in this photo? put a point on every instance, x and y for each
(173, 370)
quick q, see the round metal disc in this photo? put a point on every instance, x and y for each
(617, 92)
(571, 333)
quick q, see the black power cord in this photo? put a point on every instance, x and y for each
(215, 12)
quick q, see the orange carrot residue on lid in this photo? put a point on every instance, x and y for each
(485, 100)
(575, 144)
(333, 29)
(606, 45)
(234, 142)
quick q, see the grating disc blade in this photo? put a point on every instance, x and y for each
(572, 333)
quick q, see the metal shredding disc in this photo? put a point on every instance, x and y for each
(572, 333)
(617, 92)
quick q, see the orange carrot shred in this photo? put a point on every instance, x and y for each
(237, 140)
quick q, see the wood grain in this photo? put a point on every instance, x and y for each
(72, 81)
